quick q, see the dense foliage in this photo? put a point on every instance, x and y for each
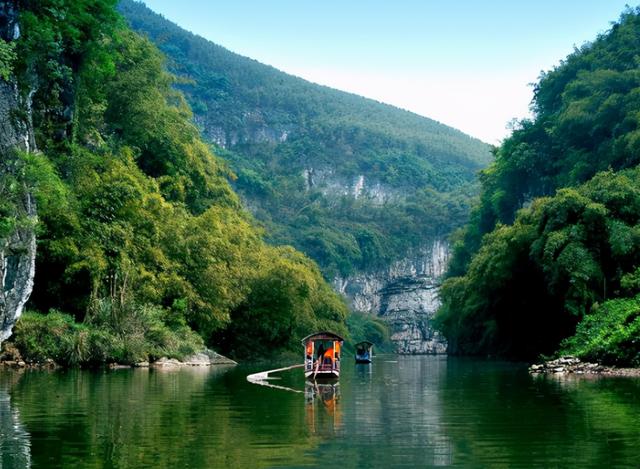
(298, 150)
(610, 334)
(141, 236)
(585, 121)
(532, 281)
(520, 281)
(140, 335)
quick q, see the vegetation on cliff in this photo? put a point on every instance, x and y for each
(141, 237)
(299, 149)
(556, 232)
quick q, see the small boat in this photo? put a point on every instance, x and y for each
(364, 352)
(322, 355)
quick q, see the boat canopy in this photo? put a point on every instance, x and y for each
(364, 343)
(323, 335)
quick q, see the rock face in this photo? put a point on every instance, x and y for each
(406, 296)
(253, 130)
(18, 246)
(332, 185)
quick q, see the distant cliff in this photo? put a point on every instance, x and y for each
(405, 295)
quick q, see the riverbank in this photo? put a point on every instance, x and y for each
(573, 365)
(10, 357)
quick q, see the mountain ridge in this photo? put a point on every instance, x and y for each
(353, 182)
(134, 12)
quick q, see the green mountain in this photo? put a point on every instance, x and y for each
(554, 243)
(144, 250)
(352, 182)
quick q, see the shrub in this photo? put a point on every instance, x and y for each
(113, 334)
(610, 334)
(40, 337)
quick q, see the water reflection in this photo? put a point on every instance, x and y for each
(402, 411)
(391, 414)
(15, 444)
(498, 415)
(364, 370)
(323, 414)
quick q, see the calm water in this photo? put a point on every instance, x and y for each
(400, 411)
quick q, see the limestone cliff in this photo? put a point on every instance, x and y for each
(406, 296)
(18, 241)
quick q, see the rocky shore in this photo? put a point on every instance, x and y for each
(573, 365)
(10, 358)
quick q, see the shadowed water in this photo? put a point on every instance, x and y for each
(399, 411)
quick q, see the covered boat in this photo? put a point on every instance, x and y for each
(364, 352)
(322, 355)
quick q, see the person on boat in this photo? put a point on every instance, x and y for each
(320, 354)
(309, 351)
(328, 356)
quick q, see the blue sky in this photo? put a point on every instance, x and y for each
(467, 63)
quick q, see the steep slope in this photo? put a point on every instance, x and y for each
(367, 190)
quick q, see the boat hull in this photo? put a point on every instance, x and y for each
(322, 375)
(363, 360)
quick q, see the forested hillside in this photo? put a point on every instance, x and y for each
(555, 237)
(144, 249)
(351, 182)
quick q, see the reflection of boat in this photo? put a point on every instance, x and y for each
(327, 393)
(322, 355)
(364, 352)
(323, 414)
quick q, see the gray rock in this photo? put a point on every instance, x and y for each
(208, 358)
(197, 359)
(572, 365)
(406, 296)
(205, 358)
(165, 362)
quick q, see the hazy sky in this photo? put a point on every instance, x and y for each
(466, 63)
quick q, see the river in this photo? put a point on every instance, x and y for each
(420, 411)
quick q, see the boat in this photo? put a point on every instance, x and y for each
(322, 355)
(364, 352)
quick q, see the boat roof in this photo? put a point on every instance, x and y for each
(322, 335)
(364, 342)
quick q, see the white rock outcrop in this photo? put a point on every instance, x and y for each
(406, 296)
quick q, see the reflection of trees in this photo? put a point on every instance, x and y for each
(192, 417)
(498, 416)
(15, 446)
